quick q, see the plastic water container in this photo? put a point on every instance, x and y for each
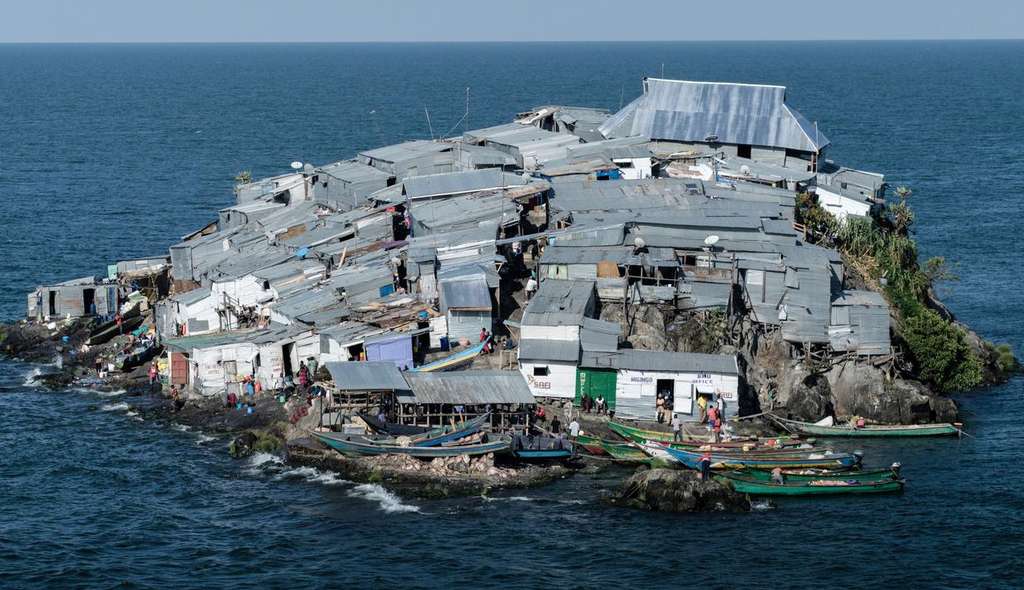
(238, 406)
(248, 410)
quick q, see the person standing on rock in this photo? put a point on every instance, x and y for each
(556, 426)
(567, 410)
(705, 465)
(153, 373)
(716, 429)
(574, 429)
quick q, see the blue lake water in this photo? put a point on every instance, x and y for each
(112, 152)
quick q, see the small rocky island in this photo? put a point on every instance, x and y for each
(627, 264)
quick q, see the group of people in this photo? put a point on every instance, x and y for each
(589, 404)
(573, 429)
(712, 413)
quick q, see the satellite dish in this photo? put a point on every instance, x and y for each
(296, 165)
(711, 240)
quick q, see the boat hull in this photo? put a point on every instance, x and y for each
(355, 448)
(829, 487)
(837, 461)
(897, 430)
(801, 476)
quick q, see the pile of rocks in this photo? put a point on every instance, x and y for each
(671, 490)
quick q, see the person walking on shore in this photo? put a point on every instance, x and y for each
(574, 428)
(153, 373)
(659, 406)
(677, 428)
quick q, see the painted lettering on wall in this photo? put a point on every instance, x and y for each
(641, 379)
(535, 383)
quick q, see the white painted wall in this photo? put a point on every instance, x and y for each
(638, 168)
(840, 206)
(208, 366)
(567, 333)
(631, 384)
(559, 382)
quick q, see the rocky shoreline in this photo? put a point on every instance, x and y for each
(844, 389)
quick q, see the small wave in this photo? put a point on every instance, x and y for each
(118, 407)
(263, 463)
(30, 377)
(508, 499)
(205, 438)
(759, 505)
(312, 475)
(389, 502)
(181, 427)
(113, 393)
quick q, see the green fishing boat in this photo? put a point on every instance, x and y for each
(816, 487)
(590, 444)
(870, 430)
(624, 452)
(640, 435)
(808, 475)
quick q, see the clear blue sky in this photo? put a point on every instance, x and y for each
(512, 20)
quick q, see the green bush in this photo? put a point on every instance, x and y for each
(941, 353)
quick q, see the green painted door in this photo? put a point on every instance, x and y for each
(596, 382)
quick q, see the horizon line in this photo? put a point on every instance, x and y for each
(511, 41)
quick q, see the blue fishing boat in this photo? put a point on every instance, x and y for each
(459, 359)
(356, 446)
(822, 460)
(442, 436)
(541, 448)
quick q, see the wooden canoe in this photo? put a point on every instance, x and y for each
(354, 446)
(459, 359)
(880, 430)
(640, 435)
(806, 475)
(590, 444)
(834, 461)
(624, 452)
(441, 436)
(818, 487)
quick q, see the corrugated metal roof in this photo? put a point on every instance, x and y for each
(860, 297)
(559, 303)
(465, 293)
(193, 296)
(366, 376)
(532, 349)
(650, 360)
(469, 387)
(599, 335)
(203, 341)
(683, 110)
(746, 169)
(409, 150)
(352, 171)
(457, 183)
(350, 332)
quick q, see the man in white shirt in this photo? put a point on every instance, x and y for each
(574, 428)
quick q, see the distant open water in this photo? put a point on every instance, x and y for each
(112, 152)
